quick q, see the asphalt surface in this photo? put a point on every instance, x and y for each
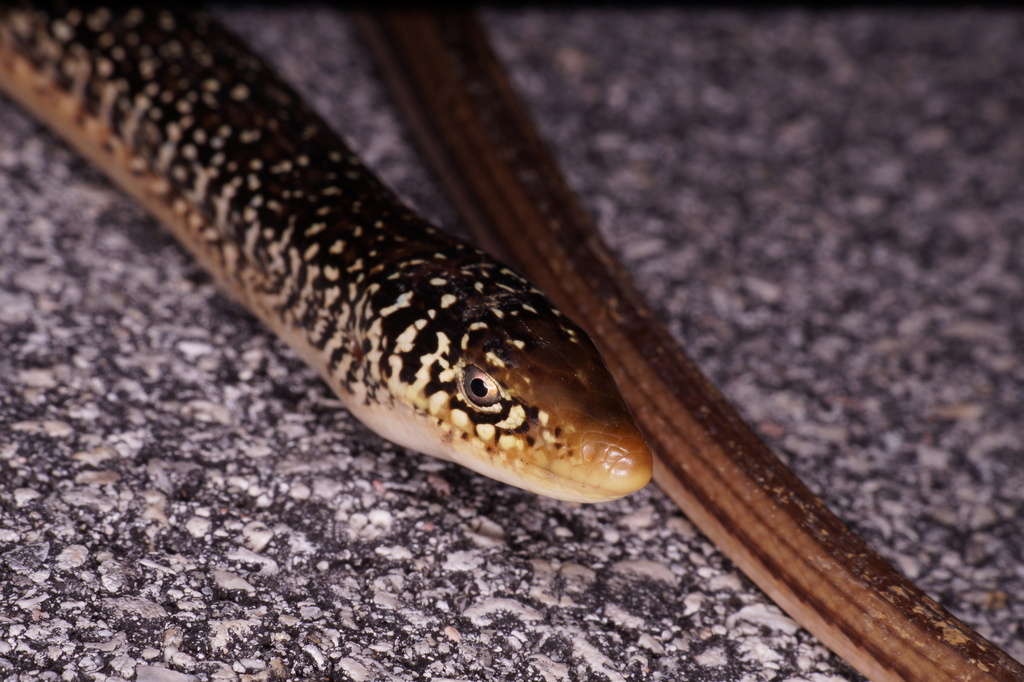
(824, 208)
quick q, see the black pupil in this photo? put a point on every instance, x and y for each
(478, 387)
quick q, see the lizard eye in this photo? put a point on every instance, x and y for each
(479, 388)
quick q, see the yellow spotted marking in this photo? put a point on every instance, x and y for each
(460, 418)
(507, 442)
(515, 419)
(437, 401)
(404, 342)
(315, 229)
(403, 301)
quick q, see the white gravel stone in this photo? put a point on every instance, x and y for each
(143, 608)
(153, 673)
(257, 535)
(647, 569)
(23, 496)
(231, 581)
(300, 491)
(198, 526)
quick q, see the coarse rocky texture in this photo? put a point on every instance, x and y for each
(825, 209)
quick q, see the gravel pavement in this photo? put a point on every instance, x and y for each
(824, 207)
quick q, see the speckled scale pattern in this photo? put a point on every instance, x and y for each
(289, 220)
(330, 241)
